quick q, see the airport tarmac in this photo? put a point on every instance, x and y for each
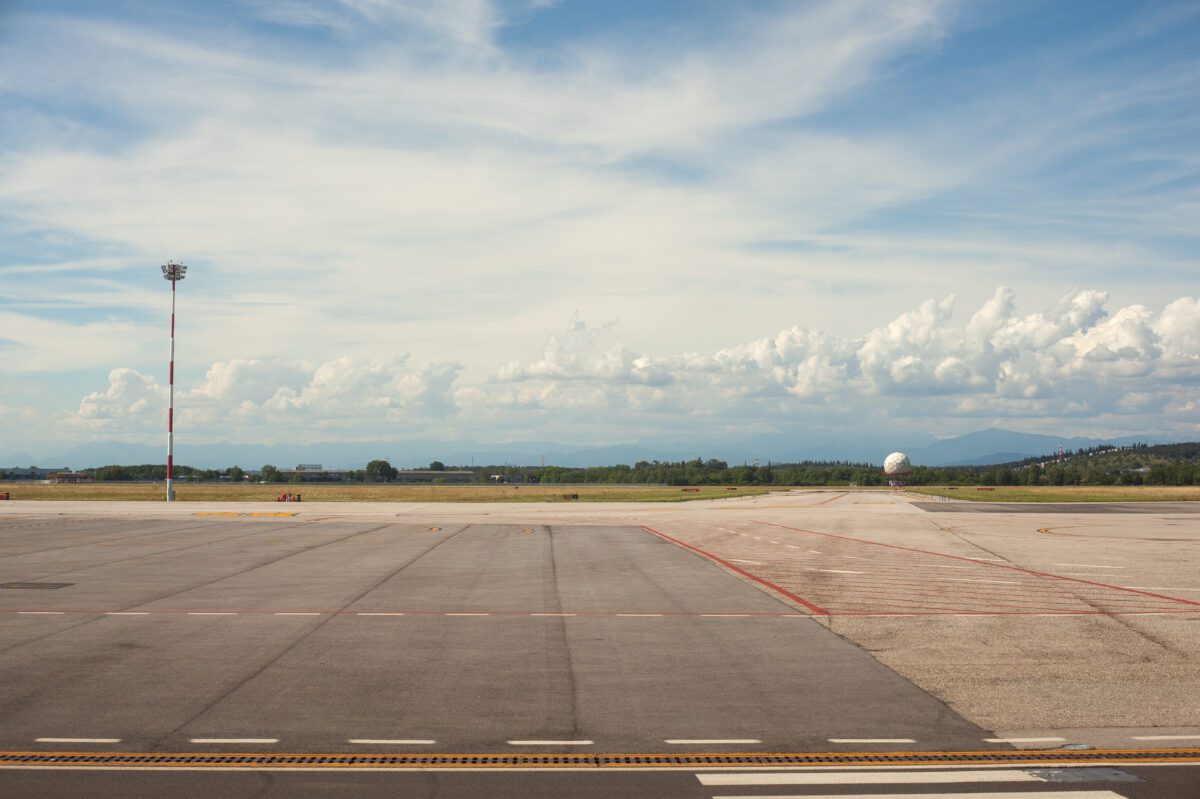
(799, 622)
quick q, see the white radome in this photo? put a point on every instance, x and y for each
(897, 464)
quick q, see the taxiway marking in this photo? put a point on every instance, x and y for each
(78, 740)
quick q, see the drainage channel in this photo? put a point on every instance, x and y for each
(350, 761)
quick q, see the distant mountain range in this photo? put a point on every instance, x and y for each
(979, 448)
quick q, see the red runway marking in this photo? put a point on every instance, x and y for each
(984, 563)
(820, 611)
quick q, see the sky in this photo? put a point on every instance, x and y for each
(598, 223)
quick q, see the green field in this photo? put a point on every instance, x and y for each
(1063, 493)
(317, 492)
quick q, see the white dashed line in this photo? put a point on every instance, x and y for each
(813, 552)
(40, 612)
(211, 613)
(1138, 588)
(791, 546)
(234, 740)
(640, 615)
(724, 615)
(1166, 737)
(706, 741)
(392, 741)
(747, 562)
(1025, 740)
(1088, 566)
(871, 740)
(551, 743)
(126, 613)
(379, 614)
(78, 740)
(468, 614)
(553, 614)
(834, 571)
(295, 613)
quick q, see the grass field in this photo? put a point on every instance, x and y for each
(1065, 493)
(312, 492)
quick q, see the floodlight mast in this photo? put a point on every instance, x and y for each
(173, 272)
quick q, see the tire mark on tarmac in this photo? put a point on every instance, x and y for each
(320, 623)
(101, 541)
(194, 586)
(552, 602)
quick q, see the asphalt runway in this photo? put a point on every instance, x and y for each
(469, 637)
(807, 622)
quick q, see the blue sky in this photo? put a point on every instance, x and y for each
(598, 222)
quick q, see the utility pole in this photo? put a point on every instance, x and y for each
(173, 272)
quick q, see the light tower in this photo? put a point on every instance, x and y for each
(173, 272)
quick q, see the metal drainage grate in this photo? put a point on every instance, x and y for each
(1015, 758)
(46, 586)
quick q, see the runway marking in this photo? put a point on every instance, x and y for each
(233, 740)
(789, 546)
(867, 778)
(392, 741)
(1087, 566)
(973, 794)
(296, 613)
(1049, 740)
(553, 614)
(78, 740)
(551, 743)
(748, 562)
(712, 741)
(1166, 737)
(724, 615)
(378, 614)
(972, 580)
(833, 571)
(871, 740)
(212, 613)
(41, 612)
(1148, 588)
(126, 613)
(817, 609)
(640, 615)
(467, 614)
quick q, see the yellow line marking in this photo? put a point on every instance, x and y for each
(217, 513)
(435, 529)
(282, 513)
(526, 529)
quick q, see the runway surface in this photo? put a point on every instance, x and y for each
(800, 623)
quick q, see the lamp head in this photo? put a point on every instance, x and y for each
(173, 271)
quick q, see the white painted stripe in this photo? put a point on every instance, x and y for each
(1166, 737)
(973, 794)
(871, 740)
(724, 615)
(553, 614)
(296, 613)
(379, 614)
(940, 566)
(41, 612)
(1152, 588)
(392, 741)
(640, 615)
(467, 614)
(970, 580)
(750, 562)
(707, 741)
(1024, 740)
(834, 571)
(78, 740)
(791, 546)
(234, 740)
(211, 613)
(126, 613)
(866, 777)
(1088, 566)
(551, 743)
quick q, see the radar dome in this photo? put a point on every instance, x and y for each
(897, 464)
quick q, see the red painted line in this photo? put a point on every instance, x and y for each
(818, 610)
(984, 563)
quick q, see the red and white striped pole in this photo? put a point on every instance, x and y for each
(173, 272)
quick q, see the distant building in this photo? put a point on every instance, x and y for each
(66, 477)
(313, 473)
(31, 472)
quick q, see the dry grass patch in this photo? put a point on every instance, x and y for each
(1064, 493)
(317, 492)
